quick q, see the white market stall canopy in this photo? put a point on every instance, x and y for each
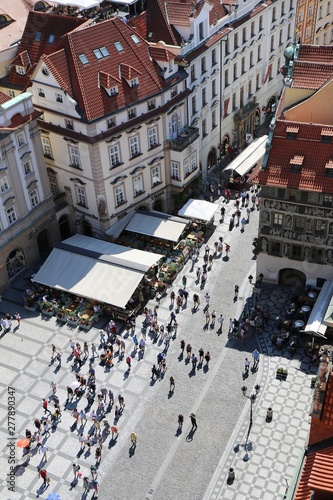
(198, 209)
(157, 224)
(96, 269)
(243, 163)
(82, 4)
(321, 314)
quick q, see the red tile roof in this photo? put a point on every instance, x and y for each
(316, 475)
(31, 50)
(161, 54)
(286, 152)
(316, 53)
(82, 80)
(3, 98)
(308, 75)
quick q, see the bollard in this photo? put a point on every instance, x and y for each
(231, 473)
(269, 415)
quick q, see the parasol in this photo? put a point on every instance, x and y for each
(23, 443)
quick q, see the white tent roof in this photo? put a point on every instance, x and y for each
(83, 4)
(157, 224)
(248, 157)
(198, 209)
(96, 269)
(317, 324)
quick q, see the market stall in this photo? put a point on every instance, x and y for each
(200, 211)
(107, 273)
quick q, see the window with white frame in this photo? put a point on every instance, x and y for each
(119, 195)
(20, 70)
(81, 196)
(134, 146)
(201, 31)
(4, 184)
(194, 105)
(214, 93)
(41, 92)
(11, 215)
(156, 175)
(21, 139)
(138, 185)
(111, 122)
(46, 147)
(175, 171)
(308, 32)
(152, 137)
(114, 155)
(192, 73)
(11, 93)
(53, 184)
(203, 65)
(204, 128)
(187, 168)
(27, 168)
(134, 82)
(131, 113)
(69, 124)
(214, 120)
(74, 156)
(203, 97)
(175, 126)
(193, 161)
(151, 104)
(59, 97)
(214, 61)
(33, 195)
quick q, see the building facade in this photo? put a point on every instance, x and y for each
(27, 214)
(314, 20)
(296, 214)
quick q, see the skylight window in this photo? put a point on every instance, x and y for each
(101, 52)
(118, 46)
(83, 58)
(38, 36)
(135, 39)
(51, 38)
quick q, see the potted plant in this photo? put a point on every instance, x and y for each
(30, 304)
(313, 382)
(281, 373)
(73, 319)
(47, 308)
(85, 324)
(61, 316)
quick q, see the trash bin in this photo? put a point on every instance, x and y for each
(269, 414)
(231, 473)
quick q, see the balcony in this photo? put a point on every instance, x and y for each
(187, 137)
(245, 111)
(60, 201)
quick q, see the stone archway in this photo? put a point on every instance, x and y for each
(158, 205)
(43, 243)
(64, 227)
(15, 262)
(86, 228)
(292, 277)
(211, 160)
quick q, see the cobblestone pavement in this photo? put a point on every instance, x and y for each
(166, 463)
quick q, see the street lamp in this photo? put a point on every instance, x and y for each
(252, 399)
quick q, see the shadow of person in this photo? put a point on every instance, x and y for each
(179, 431)
(171, 392)
(190, 435)
(205, 368)
(131, 451)
(245, 375)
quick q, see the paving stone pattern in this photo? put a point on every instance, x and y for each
(166, 464)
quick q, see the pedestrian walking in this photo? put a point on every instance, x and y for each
(85, 350)
(207, 313)
(221, 320)
(172, 297)
(231, 326)
(154, 372)
(196, 301)
(207, 358)
(180, 420)
(54, 352)
(256, 357)
(53, 387)
(75, 414)
(227, 249)
(93, 471)
(86, 484)
(42, 449)
(201, 354)
(43, 474)
(222, 211)
(193, 421)
(243, 222)
(76, 469)
(236, 292)
(188, 350)
(98, 455)
(172, 384)
(38, 424)
(72, 345)
(248, 213)
(210, 260)
(164, 365)
(175, 329)
(142, 345)
(121, 401)
(94, 351)
(198, 273)
(18, 319)
(213, 318)
(207, 298)
(114, 431)
(184, 281)
(111, 397)
(45, 407)
(134, 439)
(58, 358)
(46, 427)
(194, 360)
(83, 417)
(128, 361)
(246, 365)
(182, 345)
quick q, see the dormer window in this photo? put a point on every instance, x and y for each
(329, 168)
(292, 133)
(111, 122)
(326, 135)
(134, 82)
(151, 104)
(296, 162)
(20, 70)
(174, 92)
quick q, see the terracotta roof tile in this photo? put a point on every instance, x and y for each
(107, 81)
(316, 53)
(82, 78)
(306, 151)
(308, 75)
(57, 64)
(3, 98)
(45, 24)
(161, 54)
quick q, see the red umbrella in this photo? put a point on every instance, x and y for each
(23, 443)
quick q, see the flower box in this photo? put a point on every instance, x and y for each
(61, 317)
(73, 321)
(281, 373)
(30, 308)
(85, 326)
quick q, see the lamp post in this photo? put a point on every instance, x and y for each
(252, 399)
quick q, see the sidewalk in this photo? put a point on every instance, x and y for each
(264, 464)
